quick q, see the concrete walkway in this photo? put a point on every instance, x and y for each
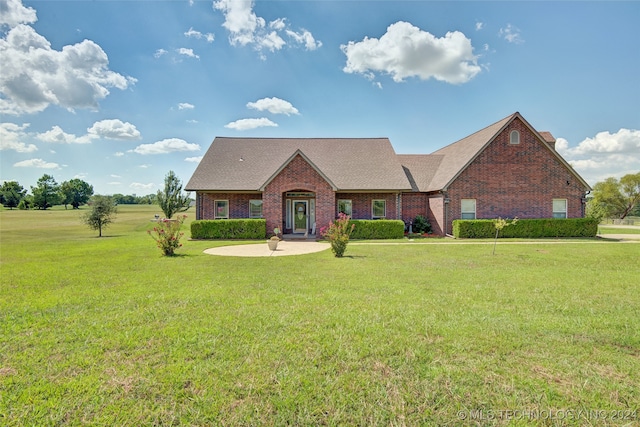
(301, 247)
(285, 247)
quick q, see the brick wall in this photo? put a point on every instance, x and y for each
(361, 204)
(298, 175)
(509, 180)
(238, 204)
(414, 204)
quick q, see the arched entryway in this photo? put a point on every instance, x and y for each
(299, 212)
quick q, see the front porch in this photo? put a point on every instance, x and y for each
(297, 237)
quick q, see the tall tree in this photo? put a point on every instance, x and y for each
(46, 193)
(102, 213)
(11, 194)
(618, 198)
(172, 200)
(76, 192)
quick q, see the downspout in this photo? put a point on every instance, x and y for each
(583, 199)
(446, 201)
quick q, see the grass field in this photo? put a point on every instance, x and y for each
(106, 331)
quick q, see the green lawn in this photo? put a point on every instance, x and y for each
(612, 229)
(106, 331)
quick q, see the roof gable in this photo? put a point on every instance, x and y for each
(459, 155)
(306, 159)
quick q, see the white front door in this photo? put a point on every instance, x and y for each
(300, 216)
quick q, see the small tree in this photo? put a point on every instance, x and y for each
(171, 200)
(338, 233)
(167, 234)
(499, 224)
(102, 213)
(12, 194)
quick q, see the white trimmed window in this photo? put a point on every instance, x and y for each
(468, 209)
(345, 207)
(514, 137)
(255, 208)
(221, 209)
(378, 209)
(559, 208)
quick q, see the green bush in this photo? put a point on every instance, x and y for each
(421, 225)
(229, 229)
(527, 228)
(377, 229)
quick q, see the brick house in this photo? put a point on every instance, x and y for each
(507, 169)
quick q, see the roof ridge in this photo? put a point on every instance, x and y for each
(299, 138)
(504, 119)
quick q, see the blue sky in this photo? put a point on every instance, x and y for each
(118, 93)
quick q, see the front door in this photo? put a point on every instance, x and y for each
(300, 216)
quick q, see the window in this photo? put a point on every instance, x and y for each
(468, 209)
(559, 208)
(221, 209)
(514, 137)
(344, 206)
(255, 208)
(379, 209)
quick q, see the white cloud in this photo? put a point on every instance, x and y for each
(141, 186)
(273, 105)
(511, 34)
(118, 154)
(193, 159)
(159, 53)
(209, 37)
(246, 124)
(36, 163)
(11, 136)
(407, 51)
(14, 13)
(115, 176)
(187, 52)
(605, 155)
(35, 76)
(623, 141)
(114, 129)
(479, 25)
(246, 28)
(166, 146)
(185, 106)
(305, 38)
(58, 136)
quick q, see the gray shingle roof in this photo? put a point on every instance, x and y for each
(247, 164)
(348, 164)
(456, 156)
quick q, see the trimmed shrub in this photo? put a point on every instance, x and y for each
(421, 225)
(527, 228)
(377, 229)
(229, 229)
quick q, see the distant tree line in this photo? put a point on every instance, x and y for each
(47, 193)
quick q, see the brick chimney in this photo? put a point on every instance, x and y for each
(549, 139)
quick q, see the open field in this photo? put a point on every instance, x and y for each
(106, 331)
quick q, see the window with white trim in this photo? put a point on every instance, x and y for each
(345, 207)
(378, 209)
(468, 209)
(255, 208)
(559, 208)
(514, 137)
(221, 209)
